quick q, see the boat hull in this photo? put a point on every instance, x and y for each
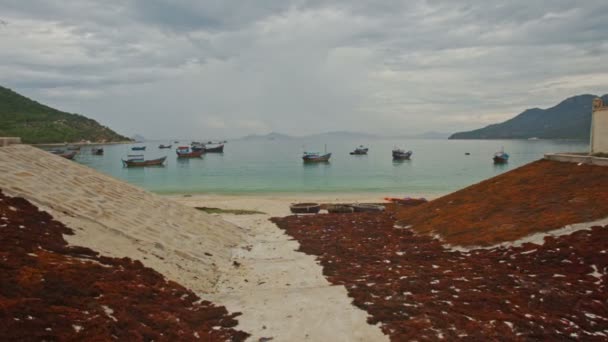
(217, 149)
(317, 159)
(305, 208)
(191, 154)
(138, 148)
(397, 155)
(69, 155)
(500, 160)
(144, 163)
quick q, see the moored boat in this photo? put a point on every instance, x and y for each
(138, 148)
(138, 160)
(161, 146)
(501, 157)
(360, 150)
(218, 148)
(65, 154)
(399, 154)
(97, 151)
(315, 157)
(187, 152)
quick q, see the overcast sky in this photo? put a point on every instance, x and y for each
(219, 68)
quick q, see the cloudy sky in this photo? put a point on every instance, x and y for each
(219, 68)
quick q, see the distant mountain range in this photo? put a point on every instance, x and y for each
(37, 123)
(570, 119)
(341, 135)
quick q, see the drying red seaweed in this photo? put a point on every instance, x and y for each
(537, 197)
(52, 291)
(417, 289)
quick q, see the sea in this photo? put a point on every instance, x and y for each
(275, 166)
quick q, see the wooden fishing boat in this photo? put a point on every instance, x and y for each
(97, 151)
(500, 157)
(305, 208)
(219, 148)
(187, 152)
(139, 161)
(65, 154)
(367, 207)
(399, 154)
(69, 155)
(407, 201)
(197, 146)
(315, 157)
(138, 148)
(161, 146)
(360, 150)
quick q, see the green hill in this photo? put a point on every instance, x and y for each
(36, 123)
(570, 119)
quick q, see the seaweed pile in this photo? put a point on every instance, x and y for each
(538, 197)
(417, 289)
(52, 291)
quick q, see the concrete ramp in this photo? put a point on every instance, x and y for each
(120, 220)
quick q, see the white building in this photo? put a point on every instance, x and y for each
(599, 127)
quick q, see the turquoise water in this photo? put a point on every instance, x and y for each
(437, 166)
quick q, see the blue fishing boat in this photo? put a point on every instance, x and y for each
(501, 157)
(138, 148)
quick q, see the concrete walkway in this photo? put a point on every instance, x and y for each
(283, 294)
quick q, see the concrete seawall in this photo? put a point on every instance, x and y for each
(120, 220)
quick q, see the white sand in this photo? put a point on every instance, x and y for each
(278, 204)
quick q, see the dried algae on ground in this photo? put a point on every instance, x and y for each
(417, 289)
(396, 266)
(537, 197)
(52, 291)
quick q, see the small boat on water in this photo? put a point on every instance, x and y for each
(137, 160)
(187, 152)
(176, 142)
(315, 157)
(161, 146)
(501, 157)
(217, 148)
(73, 148)
(197, 146)
(65, 154)
(138, 148)
(360, 150)
(97, 151)
(399, 154)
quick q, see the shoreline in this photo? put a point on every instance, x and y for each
(278, 204)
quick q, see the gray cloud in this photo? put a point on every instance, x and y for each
(226, 68)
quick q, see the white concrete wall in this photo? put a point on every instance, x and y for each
(121, 220)
(599, 131)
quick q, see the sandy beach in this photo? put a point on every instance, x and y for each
(278, 204)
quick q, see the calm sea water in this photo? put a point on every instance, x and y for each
(437, 166)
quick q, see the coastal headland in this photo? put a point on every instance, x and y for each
(518, 256)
